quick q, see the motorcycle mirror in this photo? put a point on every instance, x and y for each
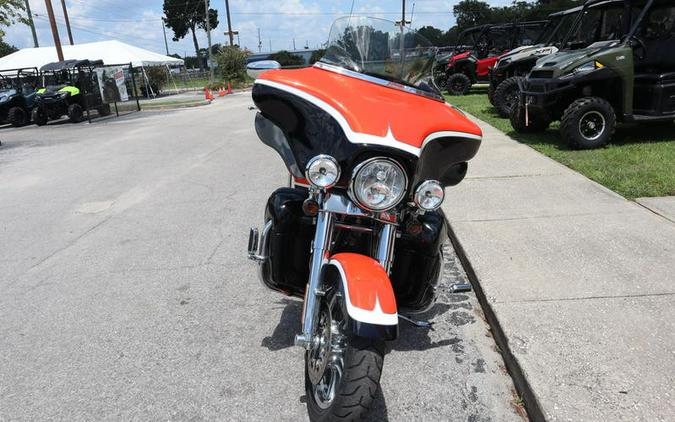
(256, 68)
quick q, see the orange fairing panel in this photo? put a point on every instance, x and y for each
(369, 295)
(371, 113)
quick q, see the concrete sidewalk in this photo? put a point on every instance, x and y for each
(579, 280)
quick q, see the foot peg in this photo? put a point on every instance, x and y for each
(253, 242)
(418, 323)
(460, 287)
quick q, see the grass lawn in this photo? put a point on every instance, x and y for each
(639, 162)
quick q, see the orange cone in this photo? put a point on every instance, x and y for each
(221, 92)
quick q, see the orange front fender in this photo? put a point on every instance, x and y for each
(369, 296)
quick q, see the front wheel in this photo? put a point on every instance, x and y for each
(75, 113)
(588, 123)
(17, 116)
(39, 116)
(506, 96)
(458, 84)
(342, 374)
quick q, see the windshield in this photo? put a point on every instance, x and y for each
(601, 23)
(380, 48)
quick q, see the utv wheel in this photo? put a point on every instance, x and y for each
(506, 96)
(39, 117)
(458, 84)
(17, 116)
(342, 374)
(491, 93)
(103, 110)
(536, 123)
(588, 123)
(75, 113)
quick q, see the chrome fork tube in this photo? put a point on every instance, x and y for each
(385, 246)
(320, 251)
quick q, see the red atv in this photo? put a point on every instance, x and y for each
(479, 48)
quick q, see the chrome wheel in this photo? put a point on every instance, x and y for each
(325, 363)
(592, 125)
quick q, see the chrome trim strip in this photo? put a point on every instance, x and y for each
(385, 246)
(378, 81)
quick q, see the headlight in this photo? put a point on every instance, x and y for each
(429, 195)
(323, 171)
(378, 184)
(584, 68)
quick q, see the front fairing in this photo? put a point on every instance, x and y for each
(307, 112)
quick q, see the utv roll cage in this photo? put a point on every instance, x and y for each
(517, 34)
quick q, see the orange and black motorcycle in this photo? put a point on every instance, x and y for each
(370, 145)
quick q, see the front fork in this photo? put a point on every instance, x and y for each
(320, 254)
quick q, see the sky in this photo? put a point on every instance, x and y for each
(280, 21)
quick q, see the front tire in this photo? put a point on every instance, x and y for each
(588, 123)
(39, 116)
(17, 116)
(342, 374)
(506, 96)
(458, 84)
(75, 113)
(491, 93)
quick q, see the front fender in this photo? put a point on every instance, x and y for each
(369, 301)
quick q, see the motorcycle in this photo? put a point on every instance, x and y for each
(370, 146)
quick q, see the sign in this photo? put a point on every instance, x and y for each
(111, 84)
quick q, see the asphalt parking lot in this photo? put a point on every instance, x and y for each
(126, 293)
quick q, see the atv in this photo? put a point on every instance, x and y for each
(478, 49)
(627, 76)
(17, 92)
(70, 88)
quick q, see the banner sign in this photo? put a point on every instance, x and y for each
(111, 84)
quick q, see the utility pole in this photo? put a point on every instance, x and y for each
(270, 45)
(65, 15)
(259, 42)
(166, 43)
(208, 36)
(32, 24)
(55, 30)
(293, 44)
(229, 22)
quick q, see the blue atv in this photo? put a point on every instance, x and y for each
(17, 95)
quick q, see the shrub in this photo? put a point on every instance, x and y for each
(158, 77)
(232, 63)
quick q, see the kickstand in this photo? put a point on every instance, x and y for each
(418, 323)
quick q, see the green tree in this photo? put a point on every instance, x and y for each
(470, 13)
(6, 49)
(434, 35)
(11, 12)
(286, 58)
(183, 16)
(232, 62)
(317, 55)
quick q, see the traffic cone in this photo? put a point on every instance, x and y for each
(221, 92)
(229, 87)
(207, 94)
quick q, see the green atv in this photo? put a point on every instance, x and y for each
(628, 77)
(71, 89)
(17, 93)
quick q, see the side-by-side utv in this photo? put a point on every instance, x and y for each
(503, 90)
(629, 76)
(70, 88)
(17, 92)
(478, 49)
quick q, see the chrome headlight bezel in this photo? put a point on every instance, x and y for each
(360, 167)
(426, 186)
(326, 160)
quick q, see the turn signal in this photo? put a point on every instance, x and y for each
(310, 207)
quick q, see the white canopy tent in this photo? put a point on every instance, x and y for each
(111, 52)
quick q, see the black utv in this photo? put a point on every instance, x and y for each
(629, 76)
(17, 94)
(70, 88)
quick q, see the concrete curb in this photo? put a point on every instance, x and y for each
(523, 388)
